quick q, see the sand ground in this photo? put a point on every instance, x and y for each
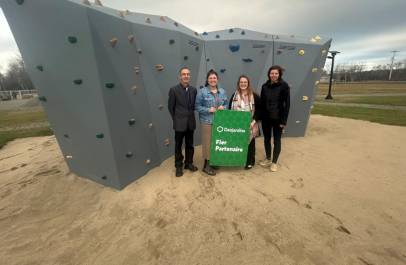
(338, 198)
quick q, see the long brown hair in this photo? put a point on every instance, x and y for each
(249, 88)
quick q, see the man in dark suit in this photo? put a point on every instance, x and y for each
(181, 105)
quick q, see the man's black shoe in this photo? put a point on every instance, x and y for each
(191, 167)
(179, 172)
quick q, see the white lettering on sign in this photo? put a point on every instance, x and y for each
(228, 149)
(230, 130)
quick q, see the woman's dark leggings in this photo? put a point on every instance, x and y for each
(270, 126)
(251, 153)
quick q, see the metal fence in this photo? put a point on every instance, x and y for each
(17, 94)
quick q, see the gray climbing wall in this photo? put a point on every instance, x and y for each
(103, 78)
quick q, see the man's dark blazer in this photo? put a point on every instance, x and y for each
(183, 114)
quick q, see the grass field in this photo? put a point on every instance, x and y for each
(363, 88)
(21, 124)
(390, 117)
(375, 100)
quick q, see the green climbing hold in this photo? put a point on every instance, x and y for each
(185, 58)
(171, 42)
(100, 136)
(78, 81)
(131, 122)
(40, 68)
(129, 155)
(72, 39)
(20, 2)
(42, 98)
(110, 85)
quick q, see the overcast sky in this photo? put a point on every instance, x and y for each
(365, 31)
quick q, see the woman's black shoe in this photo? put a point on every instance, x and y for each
(208, 169)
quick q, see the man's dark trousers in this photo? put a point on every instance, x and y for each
(189, 149)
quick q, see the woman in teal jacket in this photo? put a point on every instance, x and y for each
(209, 99)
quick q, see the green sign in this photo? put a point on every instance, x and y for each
(229, 138)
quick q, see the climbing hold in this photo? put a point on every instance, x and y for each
(134, 89)
(230, 30)
(42, 98)
(167, 142)
(150, 125)
(66, 135)
(72, 39)
(126, 12)
(98, 2)
(171, 42)
(20, 2)
(197, 34)
(313, 40)
(297, 121)
(324, 51)
(121, 14)
(161, 107)
(137, 70)
(314, 70)
(100, 136)
(139, 51)
(217, 36)
(208, 60)
(129, 154)
(263, 51)
(159, 67)
(205, 33)
(148, 161)
(110, 85)
(197, 48)
(86, 2)
(185, 58)
(243, 32)
(201, 87)
(162, 19)
(234, 47)
(113, 42)
(131, 122)
(148, 20)
(131, 38)
(305, 98)
(176, 24)
(316, 83)
(78, 81)
(222, 71)
(40, 68)
(317, 38)
(104, 177)
(301, 52)
(247, 60)
(69, 157)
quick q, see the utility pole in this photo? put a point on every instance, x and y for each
(391, 65)
(333, 54)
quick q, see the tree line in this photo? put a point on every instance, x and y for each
(358, 72)
(16, 77)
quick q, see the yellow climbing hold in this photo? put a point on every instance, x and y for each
(305, 98)
(314, 70)
(301, 52)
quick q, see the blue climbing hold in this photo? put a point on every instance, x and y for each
(247, 60)
(234, 47)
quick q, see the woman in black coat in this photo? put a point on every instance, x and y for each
(245, 99)
(275, 102)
